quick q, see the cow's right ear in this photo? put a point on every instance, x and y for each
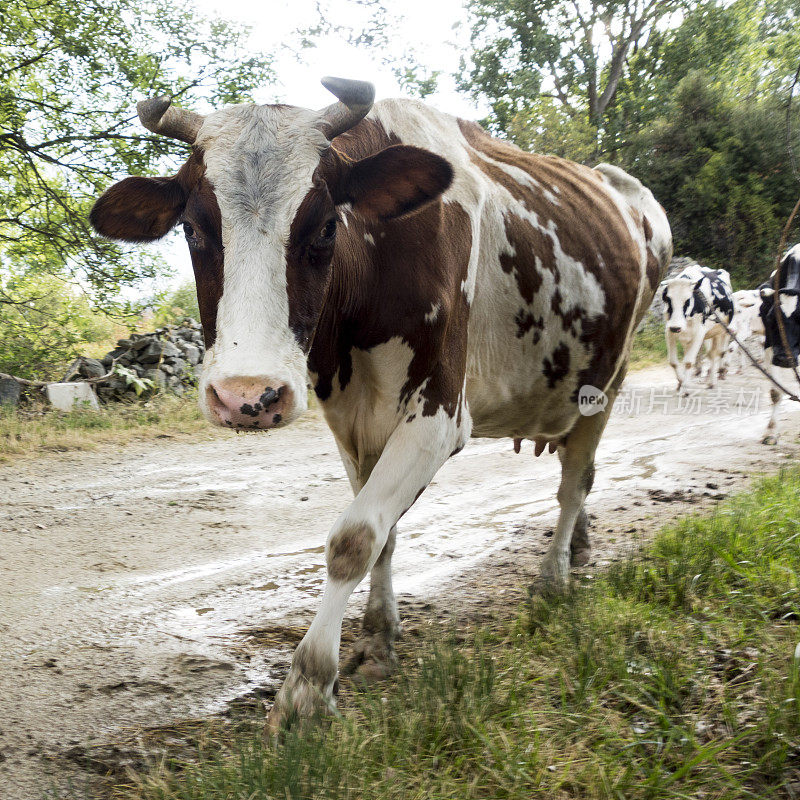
(139, 209)
(766, 293)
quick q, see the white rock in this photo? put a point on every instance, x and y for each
(69, 396)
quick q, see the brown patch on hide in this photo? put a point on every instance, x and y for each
(349, 552)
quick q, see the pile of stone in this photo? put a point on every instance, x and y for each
(168, 360)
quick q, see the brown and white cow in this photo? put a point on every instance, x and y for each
(431, 282)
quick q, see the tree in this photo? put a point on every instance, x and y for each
(746, 49)
(70, 74)
(43, 324)
(721, 169)
(533, 54)
(170, 308)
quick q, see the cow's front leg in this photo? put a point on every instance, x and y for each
(698, 364)
(580, 549)
(410, 459)
(691, 353)
(775, 396)
(672, 354)
(373, 655)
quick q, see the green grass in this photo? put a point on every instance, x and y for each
(649, 346)
(40, 430)
(673, 675)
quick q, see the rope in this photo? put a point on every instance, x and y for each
(753, 358)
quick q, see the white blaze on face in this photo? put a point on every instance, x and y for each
(679, 291)
(260, 161)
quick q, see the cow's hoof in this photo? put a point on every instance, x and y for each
(550, 586)
(298, 702)
(373, 657)
(553, 578)
(580, 558)
(770, 438)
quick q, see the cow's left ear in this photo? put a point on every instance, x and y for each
(395, 181)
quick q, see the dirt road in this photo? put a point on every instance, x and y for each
(128, 576)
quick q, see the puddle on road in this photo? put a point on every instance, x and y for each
(643, 467)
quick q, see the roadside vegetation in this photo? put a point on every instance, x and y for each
(676, 674)
(38, 429)
(649, 346)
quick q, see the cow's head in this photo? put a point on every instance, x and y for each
(258, 201)
(682, 297)
(788, 306)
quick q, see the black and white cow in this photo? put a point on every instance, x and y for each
(780, 359)
(689, 299)
(431, 282)
(746, 323)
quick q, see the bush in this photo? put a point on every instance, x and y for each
(44, 323)
(170, 308)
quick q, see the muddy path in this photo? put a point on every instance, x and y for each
(130, 577)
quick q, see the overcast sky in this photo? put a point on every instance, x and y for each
(436, 31)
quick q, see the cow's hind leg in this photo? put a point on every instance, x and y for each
(373, 655)
(577, 477)
(580, 550)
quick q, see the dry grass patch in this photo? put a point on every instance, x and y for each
(38, 430)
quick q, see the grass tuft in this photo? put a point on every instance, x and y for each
(649, 346)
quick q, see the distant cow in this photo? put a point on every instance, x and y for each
(777, 356)
(431, 283)
(746, 323)
(689, 299)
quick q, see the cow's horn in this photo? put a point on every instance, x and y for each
(160, 116)
(355, 101)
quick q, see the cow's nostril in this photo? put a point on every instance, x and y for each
(269, 397)
(215, 400)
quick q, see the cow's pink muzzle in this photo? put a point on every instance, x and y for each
(248, 403)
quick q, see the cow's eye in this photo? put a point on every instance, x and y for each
(327, 234)
(192, 239)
